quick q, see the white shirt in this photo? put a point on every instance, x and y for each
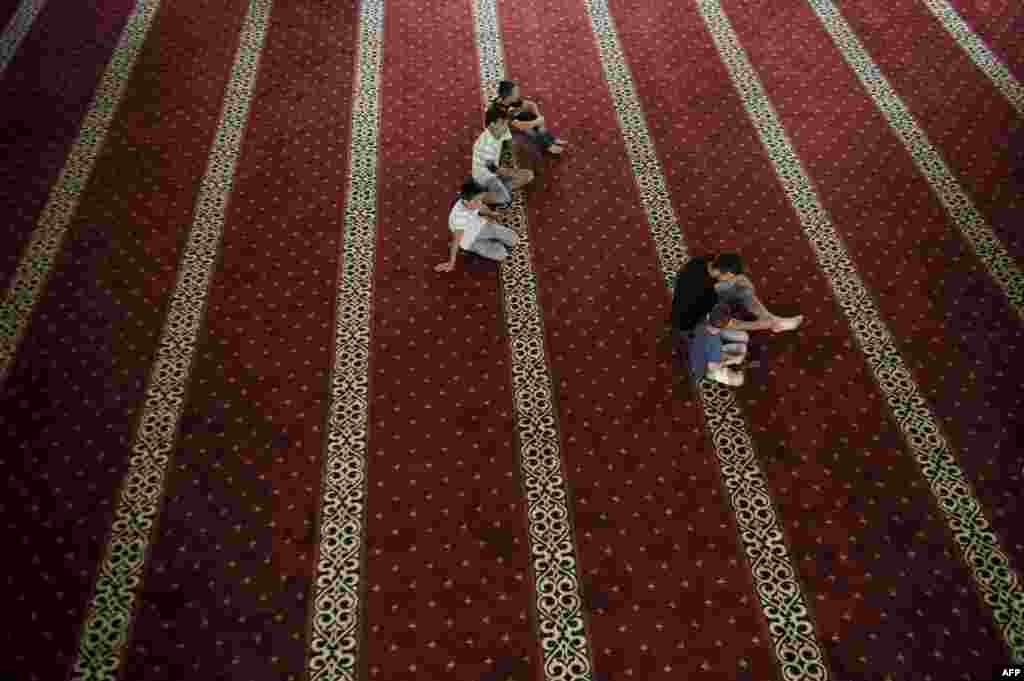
(487, 149)
(466, 219)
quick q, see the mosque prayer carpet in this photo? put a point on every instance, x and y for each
(249, 432)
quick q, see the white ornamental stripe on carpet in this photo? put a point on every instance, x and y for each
(105, 633)
(990, 251)
(783, 604)
(16, 30)
(979, 53)
(998, 583)
(34, 268)
(334, 627)
(565, 646)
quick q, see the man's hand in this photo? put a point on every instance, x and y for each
(444, 267)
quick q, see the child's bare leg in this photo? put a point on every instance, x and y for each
(766, 320)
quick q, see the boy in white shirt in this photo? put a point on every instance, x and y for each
(498, 182)
(474, 228)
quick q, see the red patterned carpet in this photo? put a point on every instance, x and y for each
(248, 432)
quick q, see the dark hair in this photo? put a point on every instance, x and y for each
(470, 189)
(493, 114)
(505, 88)
(728, 262)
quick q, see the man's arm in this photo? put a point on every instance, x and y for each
(526, 125)
(453, 255)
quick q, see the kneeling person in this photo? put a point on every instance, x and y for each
(474, 229)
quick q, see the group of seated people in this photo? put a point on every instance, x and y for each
(711, 293)
(472, 220)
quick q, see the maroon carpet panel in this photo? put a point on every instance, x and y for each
(886, 586)
(72, 400)
(1000, 24)
(970, 122)
(952, 323)
(448, 583)
(666, 586)
(7, 10)
(227, 592)
(46, 90)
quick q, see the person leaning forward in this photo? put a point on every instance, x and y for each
(693, 299)
(474, 229)
(498, 182)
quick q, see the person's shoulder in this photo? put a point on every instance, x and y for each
(743, 283)
(694, 264)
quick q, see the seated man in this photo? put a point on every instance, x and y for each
(695, 295)
(499, 183)
(473, 233)
(526, 117)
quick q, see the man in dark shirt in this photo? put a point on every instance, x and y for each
(694, 294)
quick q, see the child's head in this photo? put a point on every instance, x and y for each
(471, 193)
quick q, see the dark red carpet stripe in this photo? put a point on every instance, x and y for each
(7, 10)
(667, 587)
(71, 402)
(965, 116)
(1000, 23)
(233, 560)
(952, 323)
(46, 90)
(887, 587)
(448, 586)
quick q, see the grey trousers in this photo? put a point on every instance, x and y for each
(499, 185)
(493, 242)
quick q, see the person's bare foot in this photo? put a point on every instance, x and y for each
(787, 323)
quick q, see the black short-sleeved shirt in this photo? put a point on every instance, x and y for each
(694, 294)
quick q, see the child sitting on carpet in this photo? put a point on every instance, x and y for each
(473, 233)
(498, 182)
(714, 345)
(525, 117)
